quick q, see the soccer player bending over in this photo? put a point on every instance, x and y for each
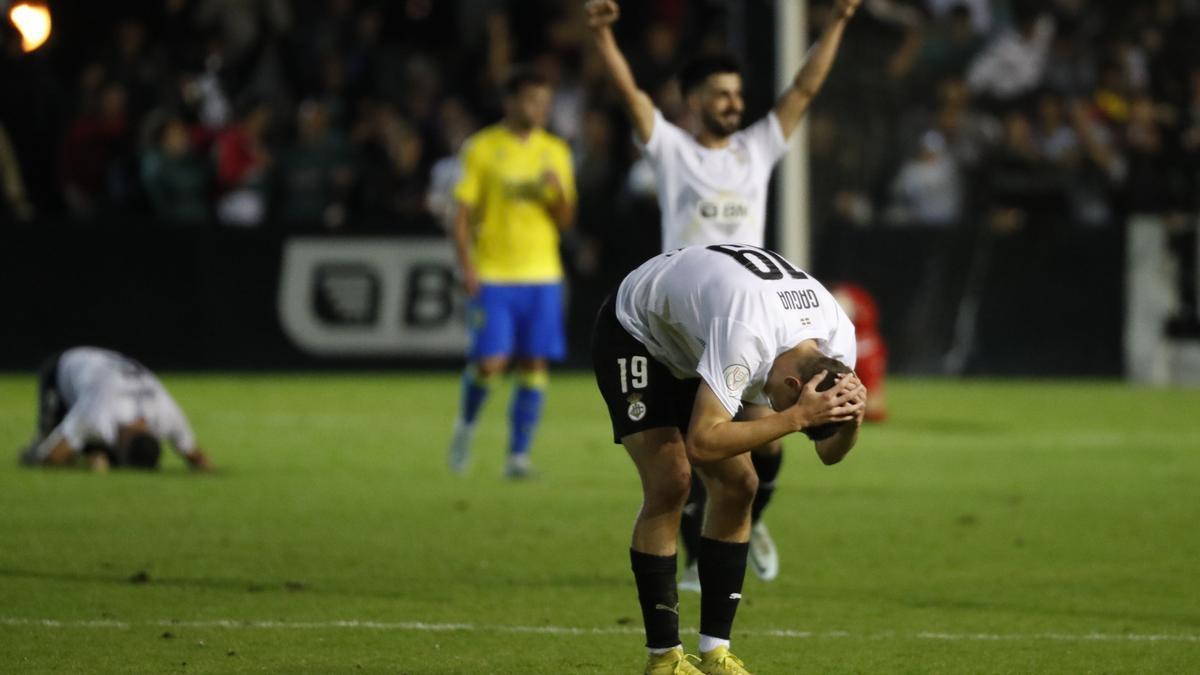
(712, 189)
(690, 338)
(111, 410)
(517, 192)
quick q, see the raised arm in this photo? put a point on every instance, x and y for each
(601, 15)
(793, 103)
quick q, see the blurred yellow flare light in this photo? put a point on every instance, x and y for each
(33, 21)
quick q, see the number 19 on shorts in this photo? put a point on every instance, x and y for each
(637, 367)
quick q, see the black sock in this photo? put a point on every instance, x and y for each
(722, 570)
(692, 522)
(655, 576)
(767, 468)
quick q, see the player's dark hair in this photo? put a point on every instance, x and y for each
(142, 451)
(524, 76)
(697, 71)
(836, 369)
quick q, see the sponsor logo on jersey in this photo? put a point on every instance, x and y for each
(737, 377)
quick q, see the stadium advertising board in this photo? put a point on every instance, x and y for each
(371, 298)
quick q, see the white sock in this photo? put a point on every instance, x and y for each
(663, 650)
(708, 643)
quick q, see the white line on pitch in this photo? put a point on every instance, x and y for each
(421, 626)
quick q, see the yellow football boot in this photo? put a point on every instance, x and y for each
(674, 662)
(720, 662)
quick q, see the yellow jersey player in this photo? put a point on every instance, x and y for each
(517, 193)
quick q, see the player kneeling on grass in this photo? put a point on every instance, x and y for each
(108, 408)
(689, 337)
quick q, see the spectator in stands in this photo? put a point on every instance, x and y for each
(1190, 136)
(970, 135)
(1022, 187)
(392, 185)
(1056, 139)
(927, 191)
(14, 201)
(947, 46)
(315, 174)
(243, 26)
(176, 180)
(977, 12)
(1112, 96)
(1012, 64)
(1101, 170)
(93, 153)
(1151, 187)
(838, 191)
(1071, 67)
(134, 63)
(455, 124)
(242, 164)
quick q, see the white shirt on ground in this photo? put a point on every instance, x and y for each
(104, 390)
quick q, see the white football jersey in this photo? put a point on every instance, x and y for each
(725, 312)
(713, 196)
(104, 390)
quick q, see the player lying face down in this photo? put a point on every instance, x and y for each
(109, 410)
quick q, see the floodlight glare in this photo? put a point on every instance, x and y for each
(33, 22)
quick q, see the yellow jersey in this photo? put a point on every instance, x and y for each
(516, 240)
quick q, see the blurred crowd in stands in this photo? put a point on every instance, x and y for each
(1007, 114)
(346, 115)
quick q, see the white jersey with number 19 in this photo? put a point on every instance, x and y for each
(725, 312)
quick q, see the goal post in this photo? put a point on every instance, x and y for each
(792, 214)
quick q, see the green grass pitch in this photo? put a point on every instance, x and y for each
(990, 527)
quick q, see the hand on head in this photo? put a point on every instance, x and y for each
(843, 402)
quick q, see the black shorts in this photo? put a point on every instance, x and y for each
(640, 393)
(51, 407)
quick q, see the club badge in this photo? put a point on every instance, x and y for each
(637, 409)
(737, 377)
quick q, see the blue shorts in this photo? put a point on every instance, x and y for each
(522, 320)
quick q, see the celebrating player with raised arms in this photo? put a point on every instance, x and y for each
(690, 338)
(712, 189)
